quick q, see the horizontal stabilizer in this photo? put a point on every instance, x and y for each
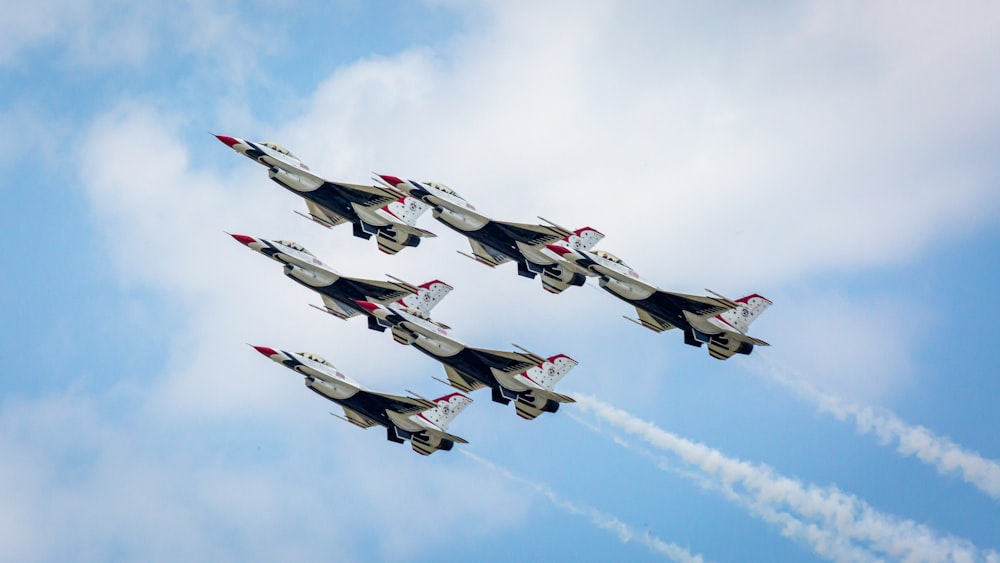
(411, 230)
(748, 339)
(447, 436)
(557, 397)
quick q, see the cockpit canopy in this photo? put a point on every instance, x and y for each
(317, 359)
(294, 245)
(278, 148)
(608, 256)
(445, 189)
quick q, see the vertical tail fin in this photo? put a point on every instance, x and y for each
(447, 409)
(750, 307)
(407, 209)
(582, 239)
(548, 373)
(430, 294)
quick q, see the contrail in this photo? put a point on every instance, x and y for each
(823, 542)
(600, 519)
(841, 516)
(947, 456)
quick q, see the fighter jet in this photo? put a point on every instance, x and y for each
(388, 214)
(421, 421)
(522, 377)
(496, 242)
(341, 293)
(720, 322)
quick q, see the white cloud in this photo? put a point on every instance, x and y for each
(814, 146)
(103, 35)
(735, 157)
(116, 479)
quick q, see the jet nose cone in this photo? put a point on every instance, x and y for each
(391, 180)
(266, 351)
(229, 141)
(243, 239)
(558, 249)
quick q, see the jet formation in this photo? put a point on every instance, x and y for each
(561, 258)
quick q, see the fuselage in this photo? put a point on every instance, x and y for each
(286, 170)
(412, 328)
(619, 279)
(308, 271)
(451, 210)
(325, 380)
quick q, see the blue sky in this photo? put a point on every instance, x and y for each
(838, 159)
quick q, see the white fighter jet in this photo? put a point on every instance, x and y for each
(421, 421)
(522, 377)
(496, 242)
(388, 214)
(721, 323)
(341, 293)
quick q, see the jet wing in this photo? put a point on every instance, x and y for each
(381, 292)
(533, 234)
(510, 362)
(366, 196)
(695, 304)
(397, 403)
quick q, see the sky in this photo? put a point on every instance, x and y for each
(839, 159)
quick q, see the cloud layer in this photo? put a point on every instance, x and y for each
(735, 148)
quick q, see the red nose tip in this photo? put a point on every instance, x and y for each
(266, 351)
(367, 306)
(229, 141)
(244, 239)
(560, 250)
(391, 180)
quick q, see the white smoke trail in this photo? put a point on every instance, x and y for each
(947, 456)
(849, 519)
(604, 521)
(823, 542)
